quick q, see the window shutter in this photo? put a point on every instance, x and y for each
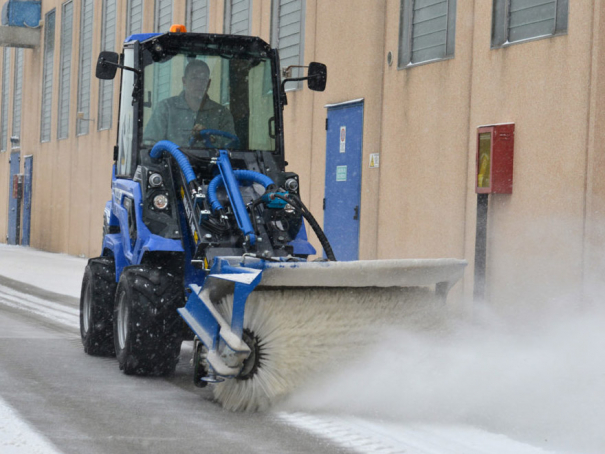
(289, 32)
(134, 17)
(18, 93)
(531, 18)
(198, 16)
(108, 42)
(163, 15)
(239, 17)
(47, 76)
(85, 65)
(65, 70)
(429, 30)
(6, 64)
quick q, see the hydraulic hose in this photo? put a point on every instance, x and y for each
(178, 155)
(240, 176)
(321, 236)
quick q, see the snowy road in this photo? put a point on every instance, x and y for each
(59, 400)
(84, 404)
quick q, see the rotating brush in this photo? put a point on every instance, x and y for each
(301, 331)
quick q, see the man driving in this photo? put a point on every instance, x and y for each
(180, 117)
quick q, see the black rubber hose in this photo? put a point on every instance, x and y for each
(323, 239)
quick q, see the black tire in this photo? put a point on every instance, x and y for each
(148, 331)
(96, 306)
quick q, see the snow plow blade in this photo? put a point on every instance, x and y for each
(443, 273)
(296, 318)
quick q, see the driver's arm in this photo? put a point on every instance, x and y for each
(156, 128)
(225, 120)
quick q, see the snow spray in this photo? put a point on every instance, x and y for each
(538, 377)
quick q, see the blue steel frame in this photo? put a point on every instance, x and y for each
(118, 244)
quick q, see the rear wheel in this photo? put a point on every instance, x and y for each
(96, 306)
(147, 328)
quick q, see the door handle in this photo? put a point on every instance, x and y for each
(356, 215)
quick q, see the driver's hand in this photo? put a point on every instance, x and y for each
(199, 127)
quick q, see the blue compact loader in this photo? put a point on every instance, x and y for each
(204, 237)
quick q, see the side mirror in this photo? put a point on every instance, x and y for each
(107, 65)
(317, 76)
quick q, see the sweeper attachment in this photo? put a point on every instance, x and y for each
(204, 238)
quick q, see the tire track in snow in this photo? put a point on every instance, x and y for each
(57, 312)
(369, 437)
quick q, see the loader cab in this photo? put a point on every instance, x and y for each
(239, 104)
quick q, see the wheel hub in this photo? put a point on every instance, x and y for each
(122, 321)
(86, 309)
(254, 361)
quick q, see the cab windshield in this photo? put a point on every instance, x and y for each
(205, 101)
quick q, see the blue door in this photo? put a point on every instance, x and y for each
(28, 165)
(13, 203)
(343, 178)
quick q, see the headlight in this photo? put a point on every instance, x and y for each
(160, 201)
(155, 180)
(291, 184)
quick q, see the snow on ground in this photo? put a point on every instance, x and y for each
(59, 273)
(540, 381)
(489, 385)
(16, 437)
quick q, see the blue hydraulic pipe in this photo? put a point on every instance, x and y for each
(235, 197)
(241, 176)
(173, 149)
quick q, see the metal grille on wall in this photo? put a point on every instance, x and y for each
(287, 32)
(529, 18)
(197, 16)
(134, 17)
(65, 70)
(163, 15)
(427, 31)
(238, 17)
(108, 42)
(85, 66)
(6, 64)
(17, 98)
(47, 76)
(520, 20)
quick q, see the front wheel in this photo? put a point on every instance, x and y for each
(96, 306)
(147, 328)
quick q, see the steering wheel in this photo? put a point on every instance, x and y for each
(207, 134)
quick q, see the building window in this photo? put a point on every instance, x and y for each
(108, 42)
(17, 99)
(238, 17)
(519, 20)
(65, 69)
(134, 17)
(427, 31)
(287, 34)
(47, 75)
(197, 16)
(162, 72)
(85, 66)
(163, 15)
(6, 67)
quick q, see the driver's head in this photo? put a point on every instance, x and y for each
(196, 79)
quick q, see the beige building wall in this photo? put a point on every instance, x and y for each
(545, 240)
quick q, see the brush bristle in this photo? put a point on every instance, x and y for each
(303, 330)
